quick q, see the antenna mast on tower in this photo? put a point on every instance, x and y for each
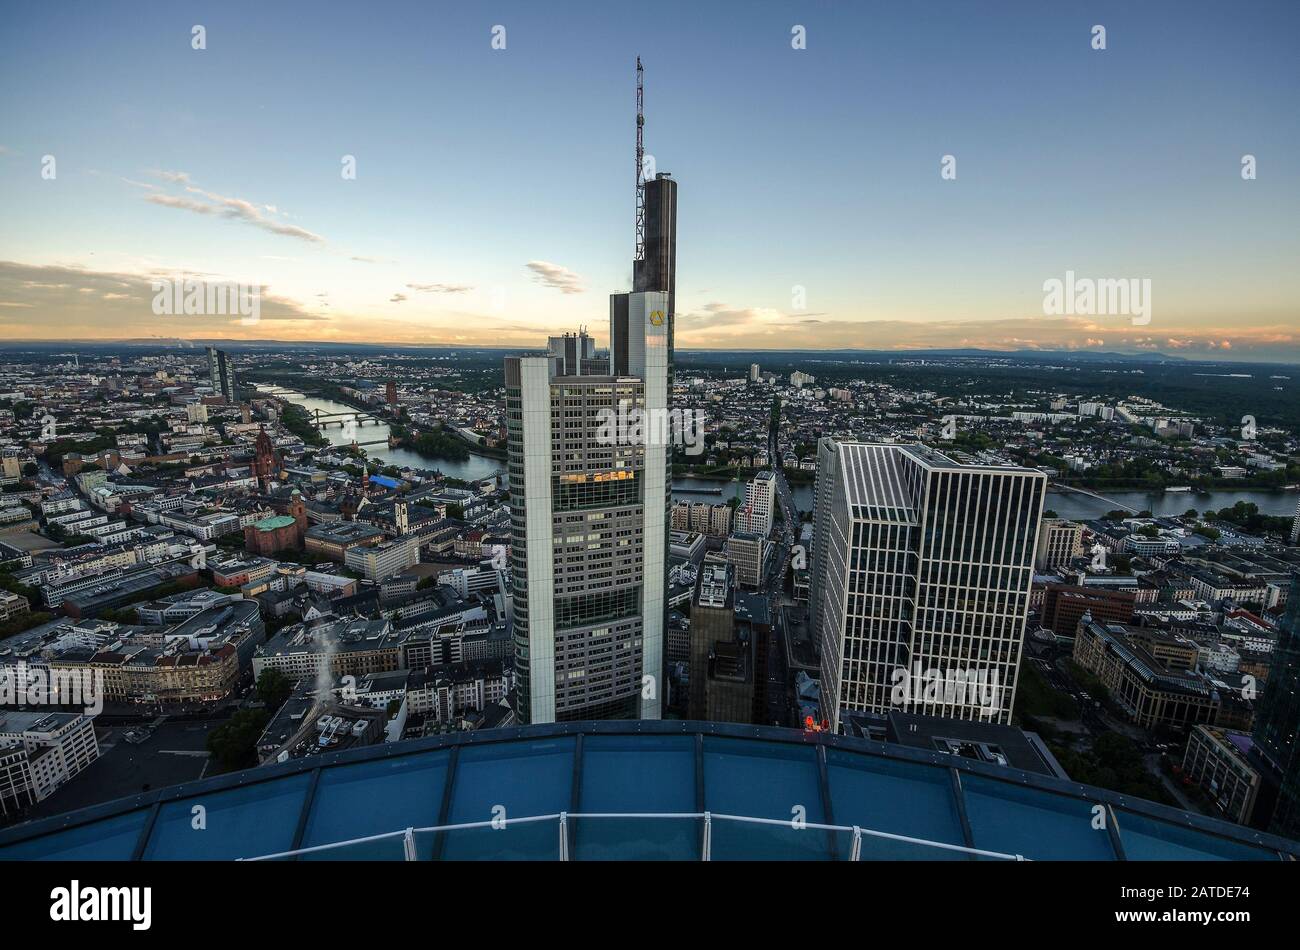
(640, 164)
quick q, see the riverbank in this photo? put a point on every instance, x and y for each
(470, 466)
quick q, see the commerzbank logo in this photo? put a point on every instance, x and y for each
(656, 318)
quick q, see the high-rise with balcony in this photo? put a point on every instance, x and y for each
(921, 575)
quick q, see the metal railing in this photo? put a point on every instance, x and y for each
(707, 819)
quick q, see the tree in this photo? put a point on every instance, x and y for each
(273, 688)
(234, 744)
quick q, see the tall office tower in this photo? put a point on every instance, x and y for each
(754, 516)
(754, 373)
(590, 500)
(222, 374)
(920, 584)
(589, 525)
(1059, 543)
(656, 271)
(1277, 718)
(1295, 526)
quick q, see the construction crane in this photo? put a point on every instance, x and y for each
(640, 163)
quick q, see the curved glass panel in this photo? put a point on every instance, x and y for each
(1042, 826)
(764, 780)
(234, 823)
(371, 798)
(510, 780)
(902, 798)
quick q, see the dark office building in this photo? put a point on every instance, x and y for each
(722, 656)
(712, 620)
(754, 624)
(222, 372)
(1065, 604)
(1277, 719)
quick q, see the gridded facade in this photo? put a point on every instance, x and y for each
(1059, 543)
(1215, 760)
(589, 524)
(921, 578)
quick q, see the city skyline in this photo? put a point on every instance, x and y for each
(492, 202)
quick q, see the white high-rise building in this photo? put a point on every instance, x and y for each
(1295, 526)
(756, 512)
(920, 580)
(589, 518)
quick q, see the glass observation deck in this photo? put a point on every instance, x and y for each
(641, 791)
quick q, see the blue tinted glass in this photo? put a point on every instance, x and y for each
(110, 839)
(523, 778)
(1041, 826)
(372, 798)
(533, 841)
(1148, 839)
(637, 774)
(901, 798)
(237, 823)
(764, 780)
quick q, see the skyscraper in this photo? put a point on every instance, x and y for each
(756, 512)
(222, 374)
(920, 580)
(590, 490)
(589, 524)
(1277, 718)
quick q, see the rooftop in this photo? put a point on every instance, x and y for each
(638, 790)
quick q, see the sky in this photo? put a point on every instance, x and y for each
(493, 196)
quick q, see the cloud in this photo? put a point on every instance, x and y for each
(397, 298)
(62, 301)
(440, 288)
(235, 209)
(554, 275)
(723, 326)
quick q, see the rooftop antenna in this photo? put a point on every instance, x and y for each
(640, 163)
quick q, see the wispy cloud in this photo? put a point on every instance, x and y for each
(397, 298)
(224, 206)
(440, 288)
(557, 276)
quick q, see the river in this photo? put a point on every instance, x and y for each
(1067, 504)
(474, 467)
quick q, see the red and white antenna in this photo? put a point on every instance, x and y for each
(640, 164)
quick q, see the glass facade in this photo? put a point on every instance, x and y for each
(641, 790)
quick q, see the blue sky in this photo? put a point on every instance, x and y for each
(816, 168)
